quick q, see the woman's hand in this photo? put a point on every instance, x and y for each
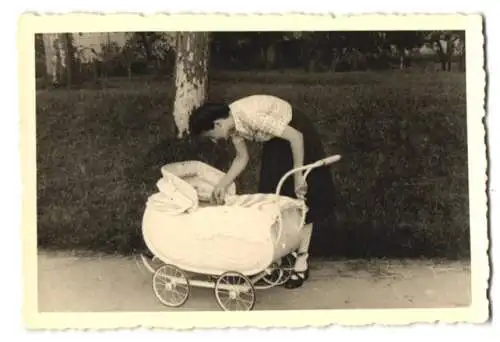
(300, 187)
(219, 194)
(238, 165)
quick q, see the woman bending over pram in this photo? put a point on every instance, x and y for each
(289, 141)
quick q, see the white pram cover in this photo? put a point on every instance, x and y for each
(240, 235)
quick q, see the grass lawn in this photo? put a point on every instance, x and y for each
(402, 181)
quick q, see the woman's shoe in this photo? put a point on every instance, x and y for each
(297, 279)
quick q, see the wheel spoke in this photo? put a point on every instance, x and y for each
(227, 302)
(182, 291)
(171, 286)
(249, 302)
(177, 296)
(167, 294)
(238, 305)
(178, 293)
(234, 291)
(248, 296)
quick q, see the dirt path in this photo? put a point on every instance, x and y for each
(76, 283)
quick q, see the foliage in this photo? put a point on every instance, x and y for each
(402, 182)
(447, 43)
(339, 51)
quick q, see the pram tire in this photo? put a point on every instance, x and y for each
(234, 278)
(163, 283)
(285, 269)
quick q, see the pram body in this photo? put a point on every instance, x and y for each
(249, 239)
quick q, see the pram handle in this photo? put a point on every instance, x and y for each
(307, 168)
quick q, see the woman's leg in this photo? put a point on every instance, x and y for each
(303, 250)
(301, 268)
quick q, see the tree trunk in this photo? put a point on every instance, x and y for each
(95, 71)
(449, 54)
(55, 58)
(312, 63)
(311, 66)
(443, 64)
(461, 62)
(403, 59)
(129, 71)
(262, 57)
(443, 54)
(67, 41)
(191, 76)
(334, 62)
(50, 58)
(270, 54)
(158, 66)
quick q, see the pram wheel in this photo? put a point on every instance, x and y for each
(282, 273)
(171, 285)
(234, 292)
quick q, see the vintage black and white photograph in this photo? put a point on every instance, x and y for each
(264, 170)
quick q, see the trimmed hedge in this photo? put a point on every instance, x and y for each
(402, 181)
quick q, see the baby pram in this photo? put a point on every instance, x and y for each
(236, 248)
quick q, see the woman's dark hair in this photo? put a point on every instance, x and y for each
(202, 118)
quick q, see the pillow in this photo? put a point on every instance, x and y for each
(178, 192)
(200, 176)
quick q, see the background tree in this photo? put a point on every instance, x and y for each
(404, 42)
(191, 76)
(88, 61)
(129, 54)
(111, 54)
(59, 53)
(156, 48)
(460, 49)
(154, 53)
(312, 48)
(446, 44)
(40, 67)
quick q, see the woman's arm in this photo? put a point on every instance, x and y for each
(239, 163)
(296, 141)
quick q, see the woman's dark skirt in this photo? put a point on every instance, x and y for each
(277, 159)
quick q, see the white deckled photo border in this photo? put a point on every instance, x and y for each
(29, 24)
